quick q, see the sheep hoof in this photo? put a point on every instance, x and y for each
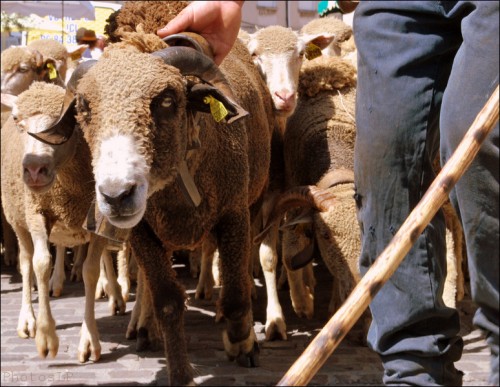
(245, 352)
(46, 345)
(116, 305)
(56, 292)
(131, 333)
(23, 333)
(251, 359)
(76, 274)
(275, 333)
(142, 342)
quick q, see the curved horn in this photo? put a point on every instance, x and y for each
(301, 196)
(61, 131)
(335, 177)
(79, 72)
(192, 62)
(190, 39)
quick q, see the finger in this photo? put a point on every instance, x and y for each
(178, 24)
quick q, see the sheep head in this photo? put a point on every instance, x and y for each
(33, 111)
(279, 53)
(135, 111)
(20, 67)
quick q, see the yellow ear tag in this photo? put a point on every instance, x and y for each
(217, 108)
(52, 71)
(312, 51)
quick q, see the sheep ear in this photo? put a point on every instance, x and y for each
(314, 44)
(50, 70)
(38, 58)
(320, 40)
(209, 99)
(9, 100)
(61, 131)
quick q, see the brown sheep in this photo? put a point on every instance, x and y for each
(174, 174)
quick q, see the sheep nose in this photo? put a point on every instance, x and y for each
(117, 199)
(37, 166)
(286, 96)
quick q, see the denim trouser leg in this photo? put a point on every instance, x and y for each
(476, 195)
(405, 56)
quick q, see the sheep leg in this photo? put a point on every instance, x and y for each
(89, 344)
(26, 325)
(10, 247)
(275, 322)
(102, 282)
(301, 295)
(309, 279)
(58, 276)
(142, 325)
(131, 333)
(205, 287)
(46, 337)
(168, 297)
(116, 305)
(80, 254)
(195, 262)
(239, 338)
(123, 258)
(148, 333)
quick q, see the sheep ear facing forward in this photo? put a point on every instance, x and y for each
(192, 62)
(208, 99)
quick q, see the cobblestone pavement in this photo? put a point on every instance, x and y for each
(120, 364)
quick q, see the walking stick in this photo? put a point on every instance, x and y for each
(314, 356)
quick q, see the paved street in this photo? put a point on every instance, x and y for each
(120, 364)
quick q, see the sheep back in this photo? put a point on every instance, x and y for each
(320, 135)
(151, 15)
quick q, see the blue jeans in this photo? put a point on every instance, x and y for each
(425, 69)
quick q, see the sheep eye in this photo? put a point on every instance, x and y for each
(162, 107)
(164, 103)
(167, 102)
(24, 69)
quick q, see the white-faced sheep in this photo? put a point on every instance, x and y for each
(319, 151)
(46, 193)
(279, 53)
(42, 60)
(343, 45)
(174, 184)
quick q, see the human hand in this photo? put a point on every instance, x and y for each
(217, 21)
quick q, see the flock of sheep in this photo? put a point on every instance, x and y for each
(242, 165)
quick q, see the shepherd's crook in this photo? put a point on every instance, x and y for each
(314, 356)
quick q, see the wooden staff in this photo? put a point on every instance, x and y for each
(314, 356)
